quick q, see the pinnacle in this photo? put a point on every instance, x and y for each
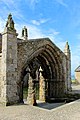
(10, 22)
(67, 45)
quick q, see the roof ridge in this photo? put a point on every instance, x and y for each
(77, 69)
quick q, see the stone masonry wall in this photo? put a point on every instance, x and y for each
(9, 68)
(77, 77)
(17, 54)
(30, 49)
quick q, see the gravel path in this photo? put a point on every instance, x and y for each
(70, 111)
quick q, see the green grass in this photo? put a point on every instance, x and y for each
(37, 93)
(74, 81)
(25, 92)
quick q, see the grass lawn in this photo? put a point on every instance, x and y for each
(74, 81)
(25, 92)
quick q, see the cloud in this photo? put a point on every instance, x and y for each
(32, 3)
(36, 32)
(61, 2)
(9, 3)
(56, 37)
(35, 22)
(53, 32)
(33, 31)
(39, 22)
(2, 24)
(44, 20)
(10, 6)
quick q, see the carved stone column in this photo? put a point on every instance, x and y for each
(41, 86)
(31, 99)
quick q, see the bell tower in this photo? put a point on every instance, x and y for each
(9, 93)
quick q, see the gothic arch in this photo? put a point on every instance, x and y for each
(50, 59)
(31, 56)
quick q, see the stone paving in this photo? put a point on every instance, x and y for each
(44, 111)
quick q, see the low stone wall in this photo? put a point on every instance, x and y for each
(77, 77)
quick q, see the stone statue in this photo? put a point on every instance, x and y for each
(10, 22)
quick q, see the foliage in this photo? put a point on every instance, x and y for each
(25, 92)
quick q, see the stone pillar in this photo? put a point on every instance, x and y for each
(41, 86)
(68, 66)
(31, 99)
(9, 93)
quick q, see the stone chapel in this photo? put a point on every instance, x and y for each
(40, 59)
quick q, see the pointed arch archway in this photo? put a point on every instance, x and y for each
(49, 57)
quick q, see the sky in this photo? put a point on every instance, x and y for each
(57, 19)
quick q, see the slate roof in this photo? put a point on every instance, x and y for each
(77, 69)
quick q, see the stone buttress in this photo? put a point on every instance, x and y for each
(9, 93)
(68, 66)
